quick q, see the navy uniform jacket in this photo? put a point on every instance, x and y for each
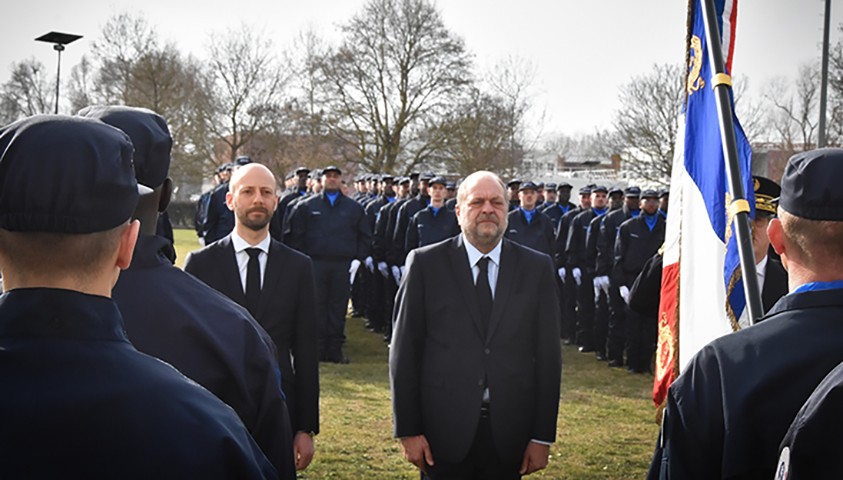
(330, 232)
(606, 240)
(556, 210)
(426, 228)
(451, 204)
(394, 254)
(219, 219)
(730, 408)
(634, 246)
(373, 209)
(200, 217)
(79, 401)
(405, 214)
(538, 234)
(380, 241)
(562, 233)
(175, 317)
(575, 250)
(276, 225)
(286, 311)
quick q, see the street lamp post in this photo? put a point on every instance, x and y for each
(59, 40)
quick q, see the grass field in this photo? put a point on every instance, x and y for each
(605, 431)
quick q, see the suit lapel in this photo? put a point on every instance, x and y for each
(503, 288)
(228, 263)
(465, 280)
(271, 276)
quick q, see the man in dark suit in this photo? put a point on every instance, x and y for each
(275, 283)
(475, 359)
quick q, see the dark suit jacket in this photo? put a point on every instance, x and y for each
(286, 312)
(775, 284)
(439, 359)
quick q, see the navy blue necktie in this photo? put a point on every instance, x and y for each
(253, 280)
(484, 293)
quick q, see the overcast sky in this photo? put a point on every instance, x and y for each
(583, 51)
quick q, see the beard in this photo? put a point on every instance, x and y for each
(256, 223)
(482, 233)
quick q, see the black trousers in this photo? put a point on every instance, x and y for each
(601, 322)
(616, 336)
(585, 311)
(481, 463)
(569, 307)
(360, 291)
(332, 292)
(642, 334)
(375, 307)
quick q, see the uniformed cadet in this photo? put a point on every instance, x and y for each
(638, 239)
(539, 194)
(220, 220)
(550, 196)
(569, 287)
(451, 202)
(333, 230)
(200, 218)
(601, 287)
(527, 225)
(727, 413)
(381, 246)
(664, 200)
(362, 188)
(189, 325)
(616, 332)
(79, 401)
(513, 186)
(772, 277)
(434, 223)
(276, 226)
(560, 206)
(581, 264)
(402, 221)
(375, 291)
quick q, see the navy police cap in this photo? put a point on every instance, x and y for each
(810, 187)
(149, 135)
(527, 186)
(632, 192)
(439, 181)
(63, 174)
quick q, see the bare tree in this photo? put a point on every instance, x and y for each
(648, 120)
(795, 111)
(124, 40)
(477, 135)
(248, 83)
(27, 92)
(397, 69)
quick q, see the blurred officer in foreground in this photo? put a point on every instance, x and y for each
(728, 411)
(334, 232)
(78, 400)
(226, 351)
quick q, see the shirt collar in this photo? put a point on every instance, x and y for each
(239, 244)
(474, 255)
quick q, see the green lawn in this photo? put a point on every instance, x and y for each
(606, 426)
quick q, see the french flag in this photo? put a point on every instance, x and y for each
(701, 293)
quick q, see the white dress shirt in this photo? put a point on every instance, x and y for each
(475, 255)
(761, 270)
(242, 256)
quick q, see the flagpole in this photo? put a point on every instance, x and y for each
(739, 208)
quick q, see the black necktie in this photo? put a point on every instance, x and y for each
(484, 293)
(253, 280)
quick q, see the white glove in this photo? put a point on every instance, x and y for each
(202, 241)
(603, 282)
(384, 269)
(577, 273)
(624, 293)
(561, 272)
(403, 270)
(597, 286)
(370, 264)
(352, 270)
(396, 273)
